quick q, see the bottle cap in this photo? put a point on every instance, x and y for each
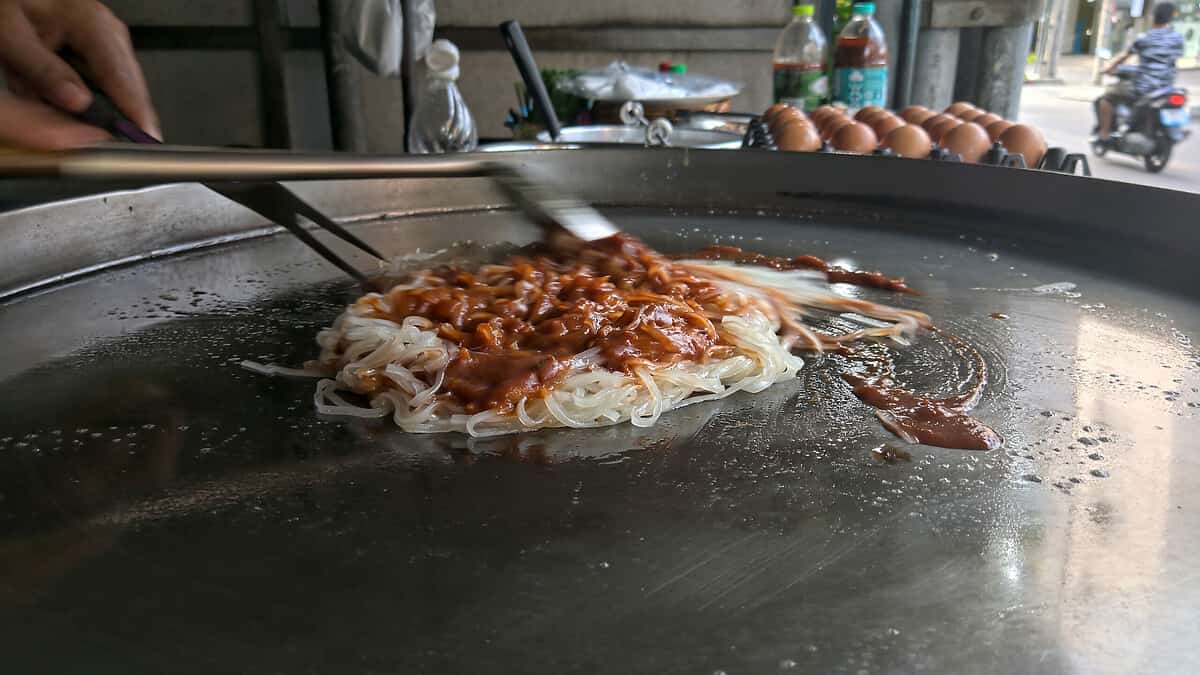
(442, 59)
(864, 8)
(678, 68)
(664, 67)
(802, 10)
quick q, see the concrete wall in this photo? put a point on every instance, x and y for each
(212, 97)
(533, 13)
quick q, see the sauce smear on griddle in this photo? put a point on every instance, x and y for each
(920, 418)
(833, 273)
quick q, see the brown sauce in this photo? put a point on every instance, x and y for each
(518, 323)
(499, 379)
(921, 418)
(833, 273)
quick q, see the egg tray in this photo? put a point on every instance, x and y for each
(1059, 160)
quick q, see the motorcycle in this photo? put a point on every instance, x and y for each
(1148, 127)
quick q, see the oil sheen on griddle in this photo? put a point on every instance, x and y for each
(860, 61)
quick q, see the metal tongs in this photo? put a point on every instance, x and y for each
(249, 178)
(270, 200)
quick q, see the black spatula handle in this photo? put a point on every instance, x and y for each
(514, 38)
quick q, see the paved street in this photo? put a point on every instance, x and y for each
(1064, 114)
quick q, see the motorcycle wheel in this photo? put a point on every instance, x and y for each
(1157, 161)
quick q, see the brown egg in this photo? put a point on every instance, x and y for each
(823, 115)
(985, 120)
(855, 137)
(786, 115)
(998, 127)
(821, 123)
(942, 128)
(797, 136)
(824, 112)
(972, 115)
(937, 119)
(909, 140)
(833, 124)
(916, 114)
(882, 125)
(922, 118)
(968, 140)
(959, 108)
(864, 113)
(1025, 140)
(875, 116)
(769, 115)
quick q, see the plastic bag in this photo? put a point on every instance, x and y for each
(623, 82)
(441, 121)
(374, 32)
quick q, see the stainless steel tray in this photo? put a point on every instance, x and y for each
(680, 137)
(163, 510)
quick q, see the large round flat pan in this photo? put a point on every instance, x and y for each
(163, 510)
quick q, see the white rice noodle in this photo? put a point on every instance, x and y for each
(272, 370)
(398, 369)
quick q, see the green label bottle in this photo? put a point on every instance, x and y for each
(799, 63)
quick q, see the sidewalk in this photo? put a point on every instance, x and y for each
(1074, 82)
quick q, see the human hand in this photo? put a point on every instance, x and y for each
(34, 30)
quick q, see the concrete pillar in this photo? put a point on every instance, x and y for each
(890, 15)
(937, 63)
(1058, 18)
(970, 49)
(1100, 30)
(1002, 68)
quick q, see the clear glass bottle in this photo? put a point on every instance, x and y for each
(860, 61)
(441, 121)
(800, 62)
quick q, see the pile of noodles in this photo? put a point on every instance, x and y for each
(764, 327)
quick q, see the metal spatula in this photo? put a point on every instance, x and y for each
(546, 203)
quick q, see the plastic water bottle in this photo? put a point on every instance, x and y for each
(441, 121)
(860, 61)
(799, 63)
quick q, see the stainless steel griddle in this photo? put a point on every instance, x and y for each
(164, 510)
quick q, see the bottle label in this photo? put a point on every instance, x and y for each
(802, 85)
(860, 87)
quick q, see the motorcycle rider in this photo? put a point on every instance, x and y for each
(1157, 51)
